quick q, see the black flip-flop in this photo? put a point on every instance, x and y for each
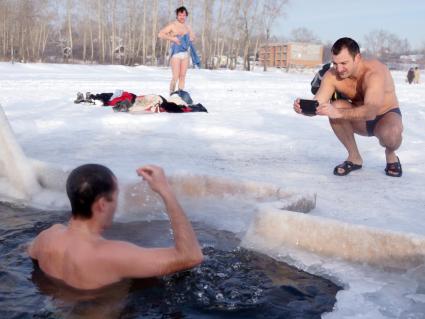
(347, 166)
(394, 169)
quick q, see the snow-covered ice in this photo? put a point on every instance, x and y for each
(250, 133)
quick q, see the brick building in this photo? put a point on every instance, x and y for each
(292, 54)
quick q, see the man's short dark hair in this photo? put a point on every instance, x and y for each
(181, 10)
(85, 185)
(349, 44)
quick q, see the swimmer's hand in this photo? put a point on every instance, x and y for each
(329, 110)
(155, 177)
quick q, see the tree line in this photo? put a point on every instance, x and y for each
(125, 31)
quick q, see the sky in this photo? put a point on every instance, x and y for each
(332, 19)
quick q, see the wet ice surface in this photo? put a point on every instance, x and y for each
(368, 292)
(231, 283)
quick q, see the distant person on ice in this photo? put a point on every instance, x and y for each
(181, 36)
(417, 76)
(371, 108)
(410, 75)
(78, 255)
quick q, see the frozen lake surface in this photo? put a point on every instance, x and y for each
(250, 133)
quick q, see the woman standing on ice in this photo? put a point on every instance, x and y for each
(181, 36)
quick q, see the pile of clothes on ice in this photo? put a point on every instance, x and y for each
(121, 101)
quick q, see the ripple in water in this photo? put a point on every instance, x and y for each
(231, 282)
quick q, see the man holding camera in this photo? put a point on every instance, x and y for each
(370, 109)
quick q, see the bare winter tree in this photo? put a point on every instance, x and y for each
(154, 31)
(304, 35)
(24, 29)
(249, 21)
(69, 24)
(233, 30)
(125, 31)
(327, 51)
(206, 32)
(144, 34)
(271, 10)
(164, 43)
(190, 4)
(218, 28)
(114, 29)
(126, 49)
(385, 45)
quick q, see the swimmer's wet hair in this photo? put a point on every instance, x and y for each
(182, 9)
(85, 185)
(349, 44)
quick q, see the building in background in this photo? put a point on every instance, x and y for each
(291, 55)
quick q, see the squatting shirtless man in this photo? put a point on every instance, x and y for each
(79, 256)
(371, 108)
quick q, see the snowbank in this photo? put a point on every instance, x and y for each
(250, 134)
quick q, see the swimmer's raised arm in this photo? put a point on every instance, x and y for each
(77, 253)
(134, 261)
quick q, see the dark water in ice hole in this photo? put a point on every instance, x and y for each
(232, 282)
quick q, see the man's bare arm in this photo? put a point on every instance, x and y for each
(166, 34)
(134, 261)
(373, 100)
(323, 95)
(327, 88)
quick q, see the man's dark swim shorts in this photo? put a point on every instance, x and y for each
(370, 125)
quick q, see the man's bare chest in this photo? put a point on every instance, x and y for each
(354, 90)
(180, 30)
